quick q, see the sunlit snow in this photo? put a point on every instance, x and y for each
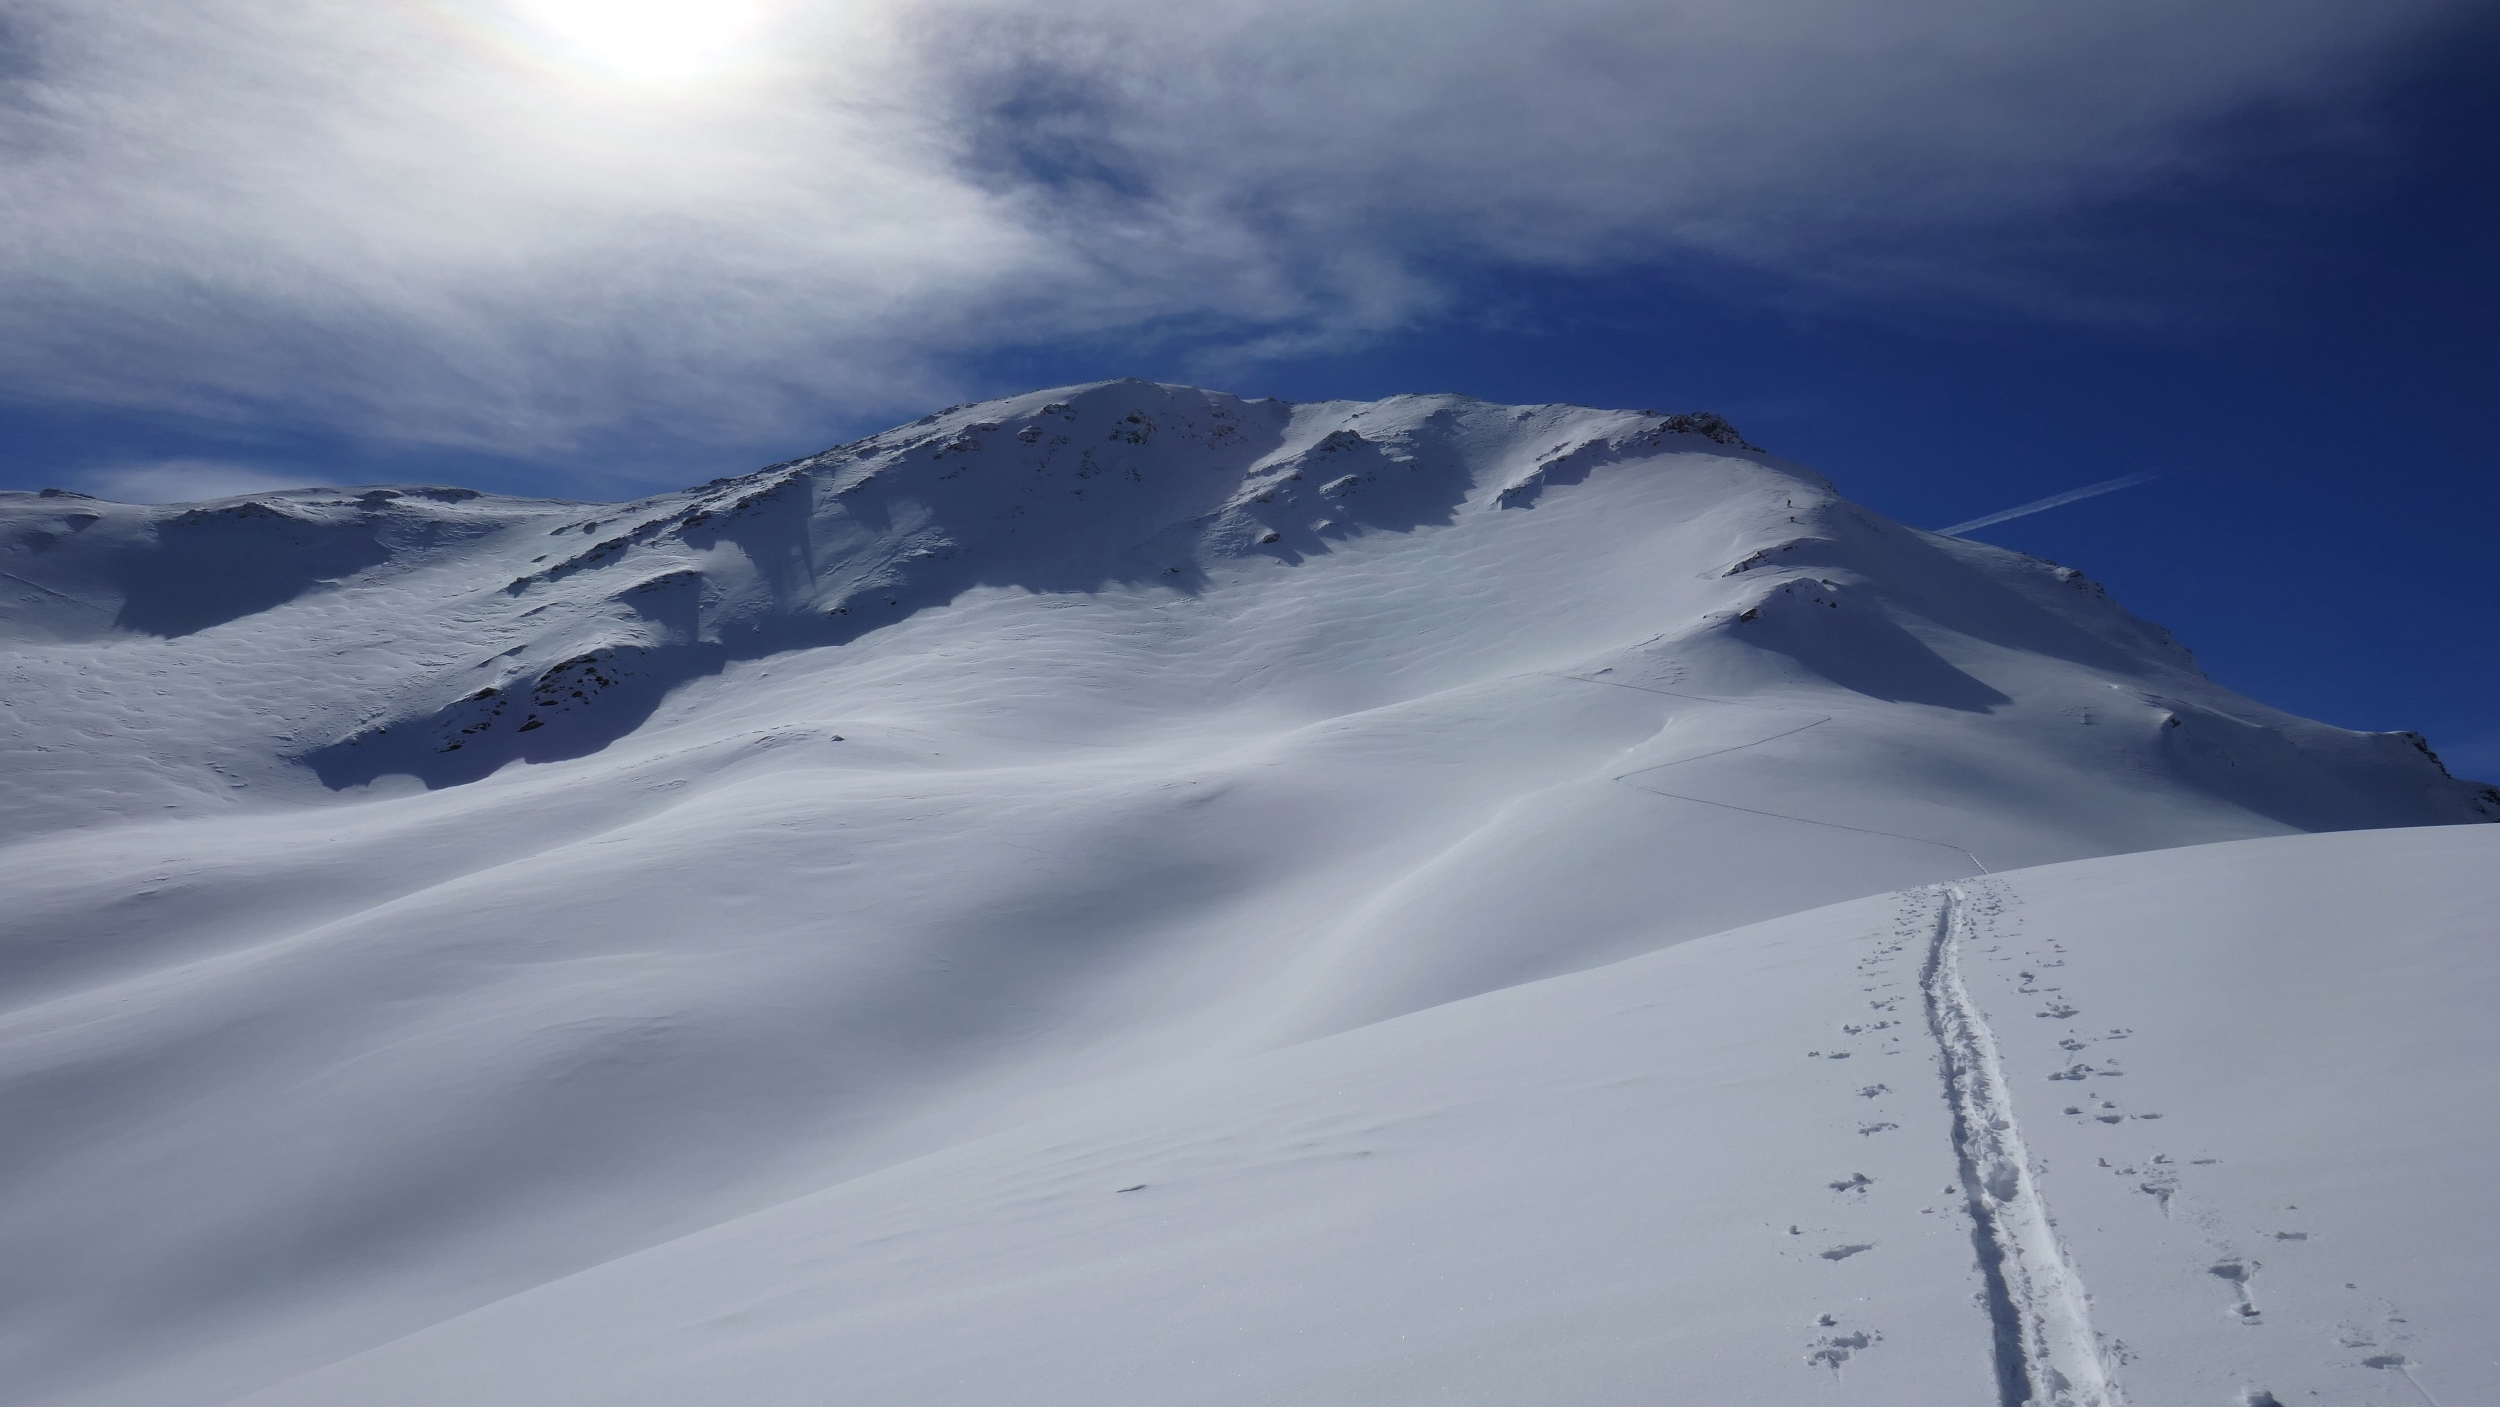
(1129, 894)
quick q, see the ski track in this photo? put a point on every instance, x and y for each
(2047, 1352)
(1807, 820)
(1626, 778)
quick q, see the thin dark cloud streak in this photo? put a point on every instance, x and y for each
(410, 222)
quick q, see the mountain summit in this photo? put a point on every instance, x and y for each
(421, 897)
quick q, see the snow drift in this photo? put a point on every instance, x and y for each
(421, 897)
(2248, 1081)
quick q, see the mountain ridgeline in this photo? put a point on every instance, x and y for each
(422, 901)
(1118, 486)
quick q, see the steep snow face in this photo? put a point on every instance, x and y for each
(417, 897)
(2198, 1126)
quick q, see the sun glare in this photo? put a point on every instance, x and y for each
(647, 39)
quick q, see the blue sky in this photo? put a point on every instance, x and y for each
(1954, 255)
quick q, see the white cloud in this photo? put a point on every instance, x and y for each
(478, 222)
(181, 481)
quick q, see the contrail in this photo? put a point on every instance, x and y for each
(2055, 500)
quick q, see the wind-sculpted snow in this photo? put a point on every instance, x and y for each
(81, 568)
(2247, 1079)
(417, 898)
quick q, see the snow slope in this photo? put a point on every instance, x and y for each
(419, 897)
(2247, 1085)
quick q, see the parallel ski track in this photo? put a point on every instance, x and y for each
(2047, 1352)
(1626, 778)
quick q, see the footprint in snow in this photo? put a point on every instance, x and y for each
(2238, 1273)
(1832, 1350)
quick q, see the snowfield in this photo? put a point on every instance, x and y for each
(1130, 894)
(2250, 1078)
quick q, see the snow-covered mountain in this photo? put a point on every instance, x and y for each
(419, 898)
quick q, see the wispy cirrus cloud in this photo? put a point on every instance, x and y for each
(2043, 505)
(494, 223)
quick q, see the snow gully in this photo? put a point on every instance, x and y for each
(2047, 1354)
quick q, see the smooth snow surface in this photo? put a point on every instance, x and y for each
(2252, 1080)
(418, 898)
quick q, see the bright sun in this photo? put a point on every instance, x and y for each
(653, 39)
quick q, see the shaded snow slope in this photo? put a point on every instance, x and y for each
(2244, 1087)
(417, 897)
(337, 637)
